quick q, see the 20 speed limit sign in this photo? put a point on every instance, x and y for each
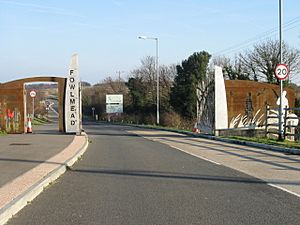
(282, 71)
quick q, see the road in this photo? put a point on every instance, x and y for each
(127, 179)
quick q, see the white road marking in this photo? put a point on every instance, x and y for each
(284, 189)
(209, 160)
(198, 156)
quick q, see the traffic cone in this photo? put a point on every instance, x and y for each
(196, 129)
(29, 127)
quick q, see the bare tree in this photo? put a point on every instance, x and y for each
(233, 69)
(146, 74)
(260, 63)
(114, 86)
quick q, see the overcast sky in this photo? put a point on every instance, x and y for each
(38, 37)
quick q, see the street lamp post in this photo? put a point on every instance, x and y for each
(157, 76)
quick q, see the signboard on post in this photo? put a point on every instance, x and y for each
(114, 104)
(282, 71)
(32, 94)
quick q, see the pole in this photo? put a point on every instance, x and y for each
(157, 84)
(32, 108)
(157, 76)
(80, 107)
(280, 61)
(119, 73)
(93, 110)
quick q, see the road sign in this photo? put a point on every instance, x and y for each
(282, 71)
(32, 94)
(114, 104)
(114, 99)
(114, 108)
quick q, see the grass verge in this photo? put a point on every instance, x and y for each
(39, 121)
(2, 133)
(269, 141)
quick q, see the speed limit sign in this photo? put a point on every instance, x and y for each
(32, 94)
(282, 71)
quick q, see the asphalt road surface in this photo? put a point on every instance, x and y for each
(126, 179)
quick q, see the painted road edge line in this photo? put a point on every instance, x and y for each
(284, 189)
(182, 150)
(198, 156)
(270, 184)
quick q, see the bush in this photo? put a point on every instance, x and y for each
(167, 119)
(173, 119)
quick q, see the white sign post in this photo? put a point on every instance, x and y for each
(32, 95)
(281, 73)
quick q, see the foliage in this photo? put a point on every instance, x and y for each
(142, 90)
(174, 120)
(233, 69)
(39, 121)
(189, 75)
(140, 96)
(85, 84)
(269, 141)
(184, 85)
(260, 63)
(95, 96)
(2, 133)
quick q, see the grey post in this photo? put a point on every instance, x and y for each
(157, 76)
(280, 136)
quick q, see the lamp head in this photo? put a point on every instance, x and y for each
(143, 37)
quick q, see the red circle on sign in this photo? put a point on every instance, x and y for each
(281, 71)
(32, 94)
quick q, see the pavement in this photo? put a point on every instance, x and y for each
(31, 162)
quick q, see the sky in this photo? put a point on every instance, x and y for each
(38, 37)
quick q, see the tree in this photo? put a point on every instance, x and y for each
(142, 86)
(85, 84)
(166, 79)
(232, 69)
(260, 63)
(189, 76)
(115, 86)
(138, 96)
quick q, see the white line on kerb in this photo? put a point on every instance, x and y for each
(284, 189)
(198, 156)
